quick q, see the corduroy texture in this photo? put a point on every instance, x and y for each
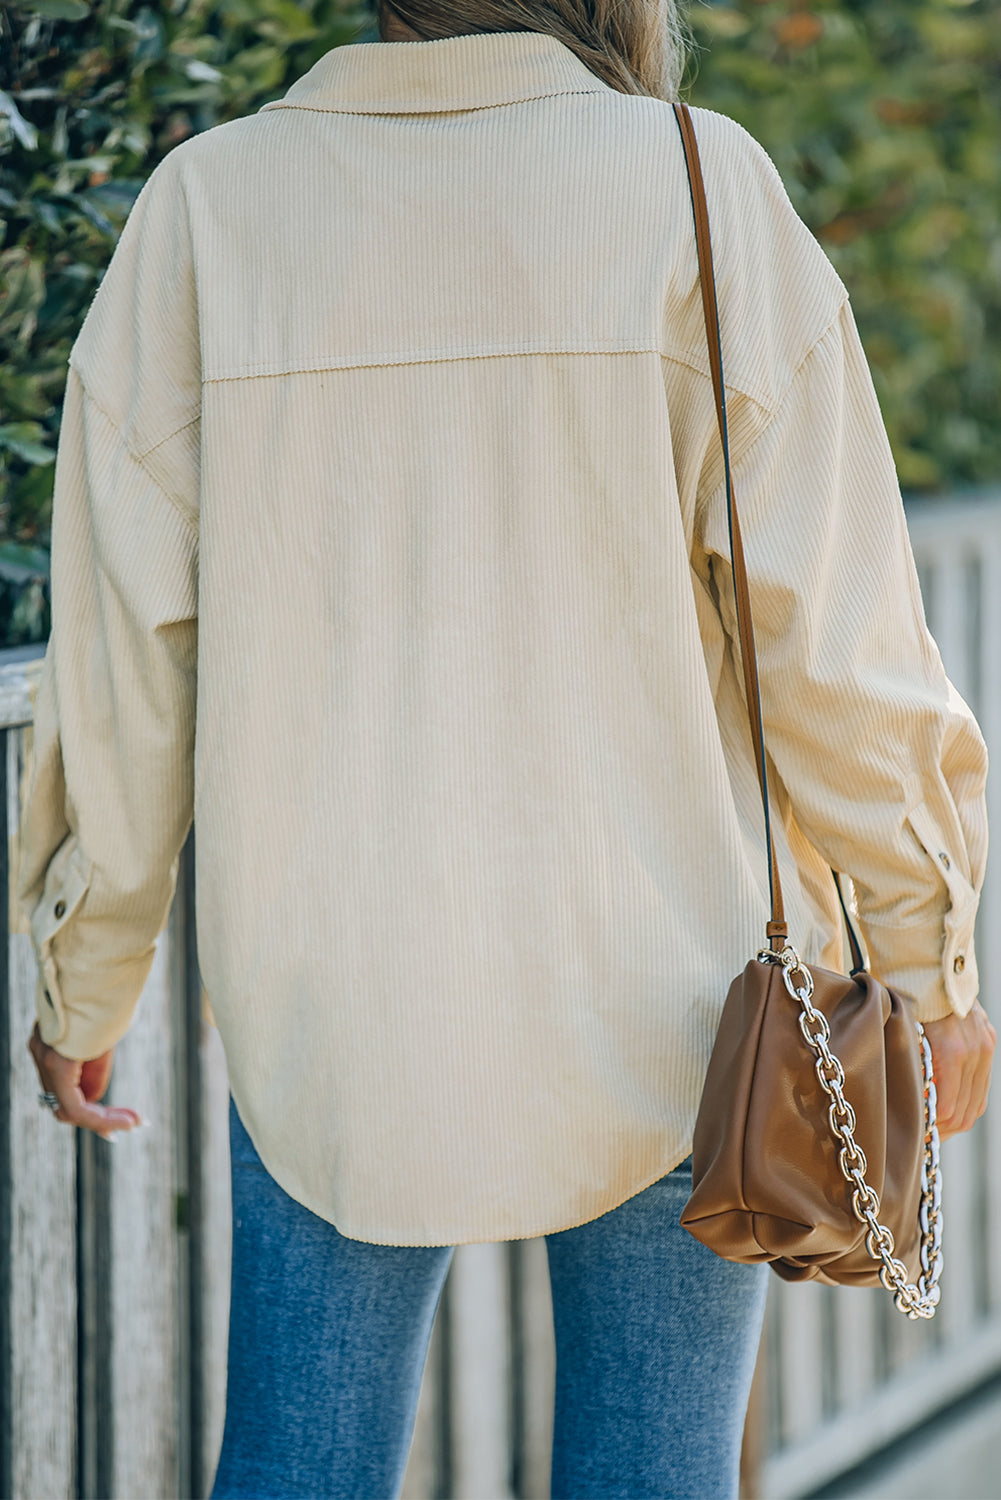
(399, 389)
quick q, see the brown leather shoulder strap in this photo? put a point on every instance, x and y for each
(745, 628)
(776, 929)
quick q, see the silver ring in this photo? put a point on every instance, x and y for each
(49, 1100)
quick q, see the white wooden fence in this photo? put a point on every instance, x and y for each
(114, 1262)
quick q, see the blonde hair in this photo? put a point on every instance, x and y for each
(635, 46)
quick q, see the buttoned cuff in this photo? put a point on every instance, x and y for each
(83, 1003)
(933, 963)
(937, 988)
(85, 1028)
(67, 882)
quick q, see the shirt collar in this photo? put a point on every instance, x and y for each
(475, 71)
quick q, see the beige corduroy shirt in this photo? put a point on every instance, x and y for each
(389, 541)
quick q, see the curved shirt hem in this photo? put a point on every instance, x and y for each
(375, 1237)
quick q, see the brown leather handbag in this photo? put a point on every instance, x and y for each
(815, 1144)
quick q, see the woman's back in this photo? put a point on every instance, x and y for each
(411, 366)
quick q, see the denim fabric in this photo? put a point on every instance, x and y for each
(656, 1340)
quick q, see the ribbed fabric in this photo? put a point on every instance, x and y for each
(391, 425)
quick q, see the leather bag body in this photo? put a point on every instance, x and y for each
(767, 1183)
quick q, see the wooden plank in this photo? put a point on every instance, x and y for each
(754, 1440)
(771, 1333)
(216, 1246)
(957, 1314)
(188, 1076)
(533, 1347)
(989, 924)
(909, 1344)
(6, 1155)
(856, 1370)
(95, 1392)
(146, 1309)
(899, 1407)
(802, 1355)
(480, 1355)
(40, 1276)
(425, 1464)
(185, 1109)
(948, 616)
(991, 1182)
(935, 523)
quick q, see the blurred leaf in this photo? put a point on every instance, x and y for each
(29, 620)
(149, 34)
(31, 559)
(721, 20)
(202, 72)
(22, 291)
(60, 10)
(24, 439)
(20, 129)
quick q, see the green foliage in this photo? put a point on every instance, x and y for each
(884, 119)
(93, 93)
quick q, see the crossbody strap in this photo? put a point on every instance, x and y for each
(777, 930)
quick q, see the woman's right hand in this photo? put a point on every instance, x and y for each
(78, 1085)
(962, 1049)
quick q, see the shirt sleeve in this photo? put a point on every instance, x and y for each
(111, 796)
(873, 752)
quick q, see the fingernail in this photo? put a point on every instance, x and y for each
(111, 1139)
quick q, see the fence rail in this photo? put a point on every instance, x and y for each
(114, 1263)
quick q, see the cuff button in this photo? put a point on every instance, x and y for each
(959, 963)
(946, 861)
(59, 910)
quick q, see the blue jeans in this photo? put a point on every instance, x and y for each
(655, 1337)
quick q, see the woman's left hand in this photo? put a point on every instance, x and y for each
(78, 1086)
(962, 1051)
